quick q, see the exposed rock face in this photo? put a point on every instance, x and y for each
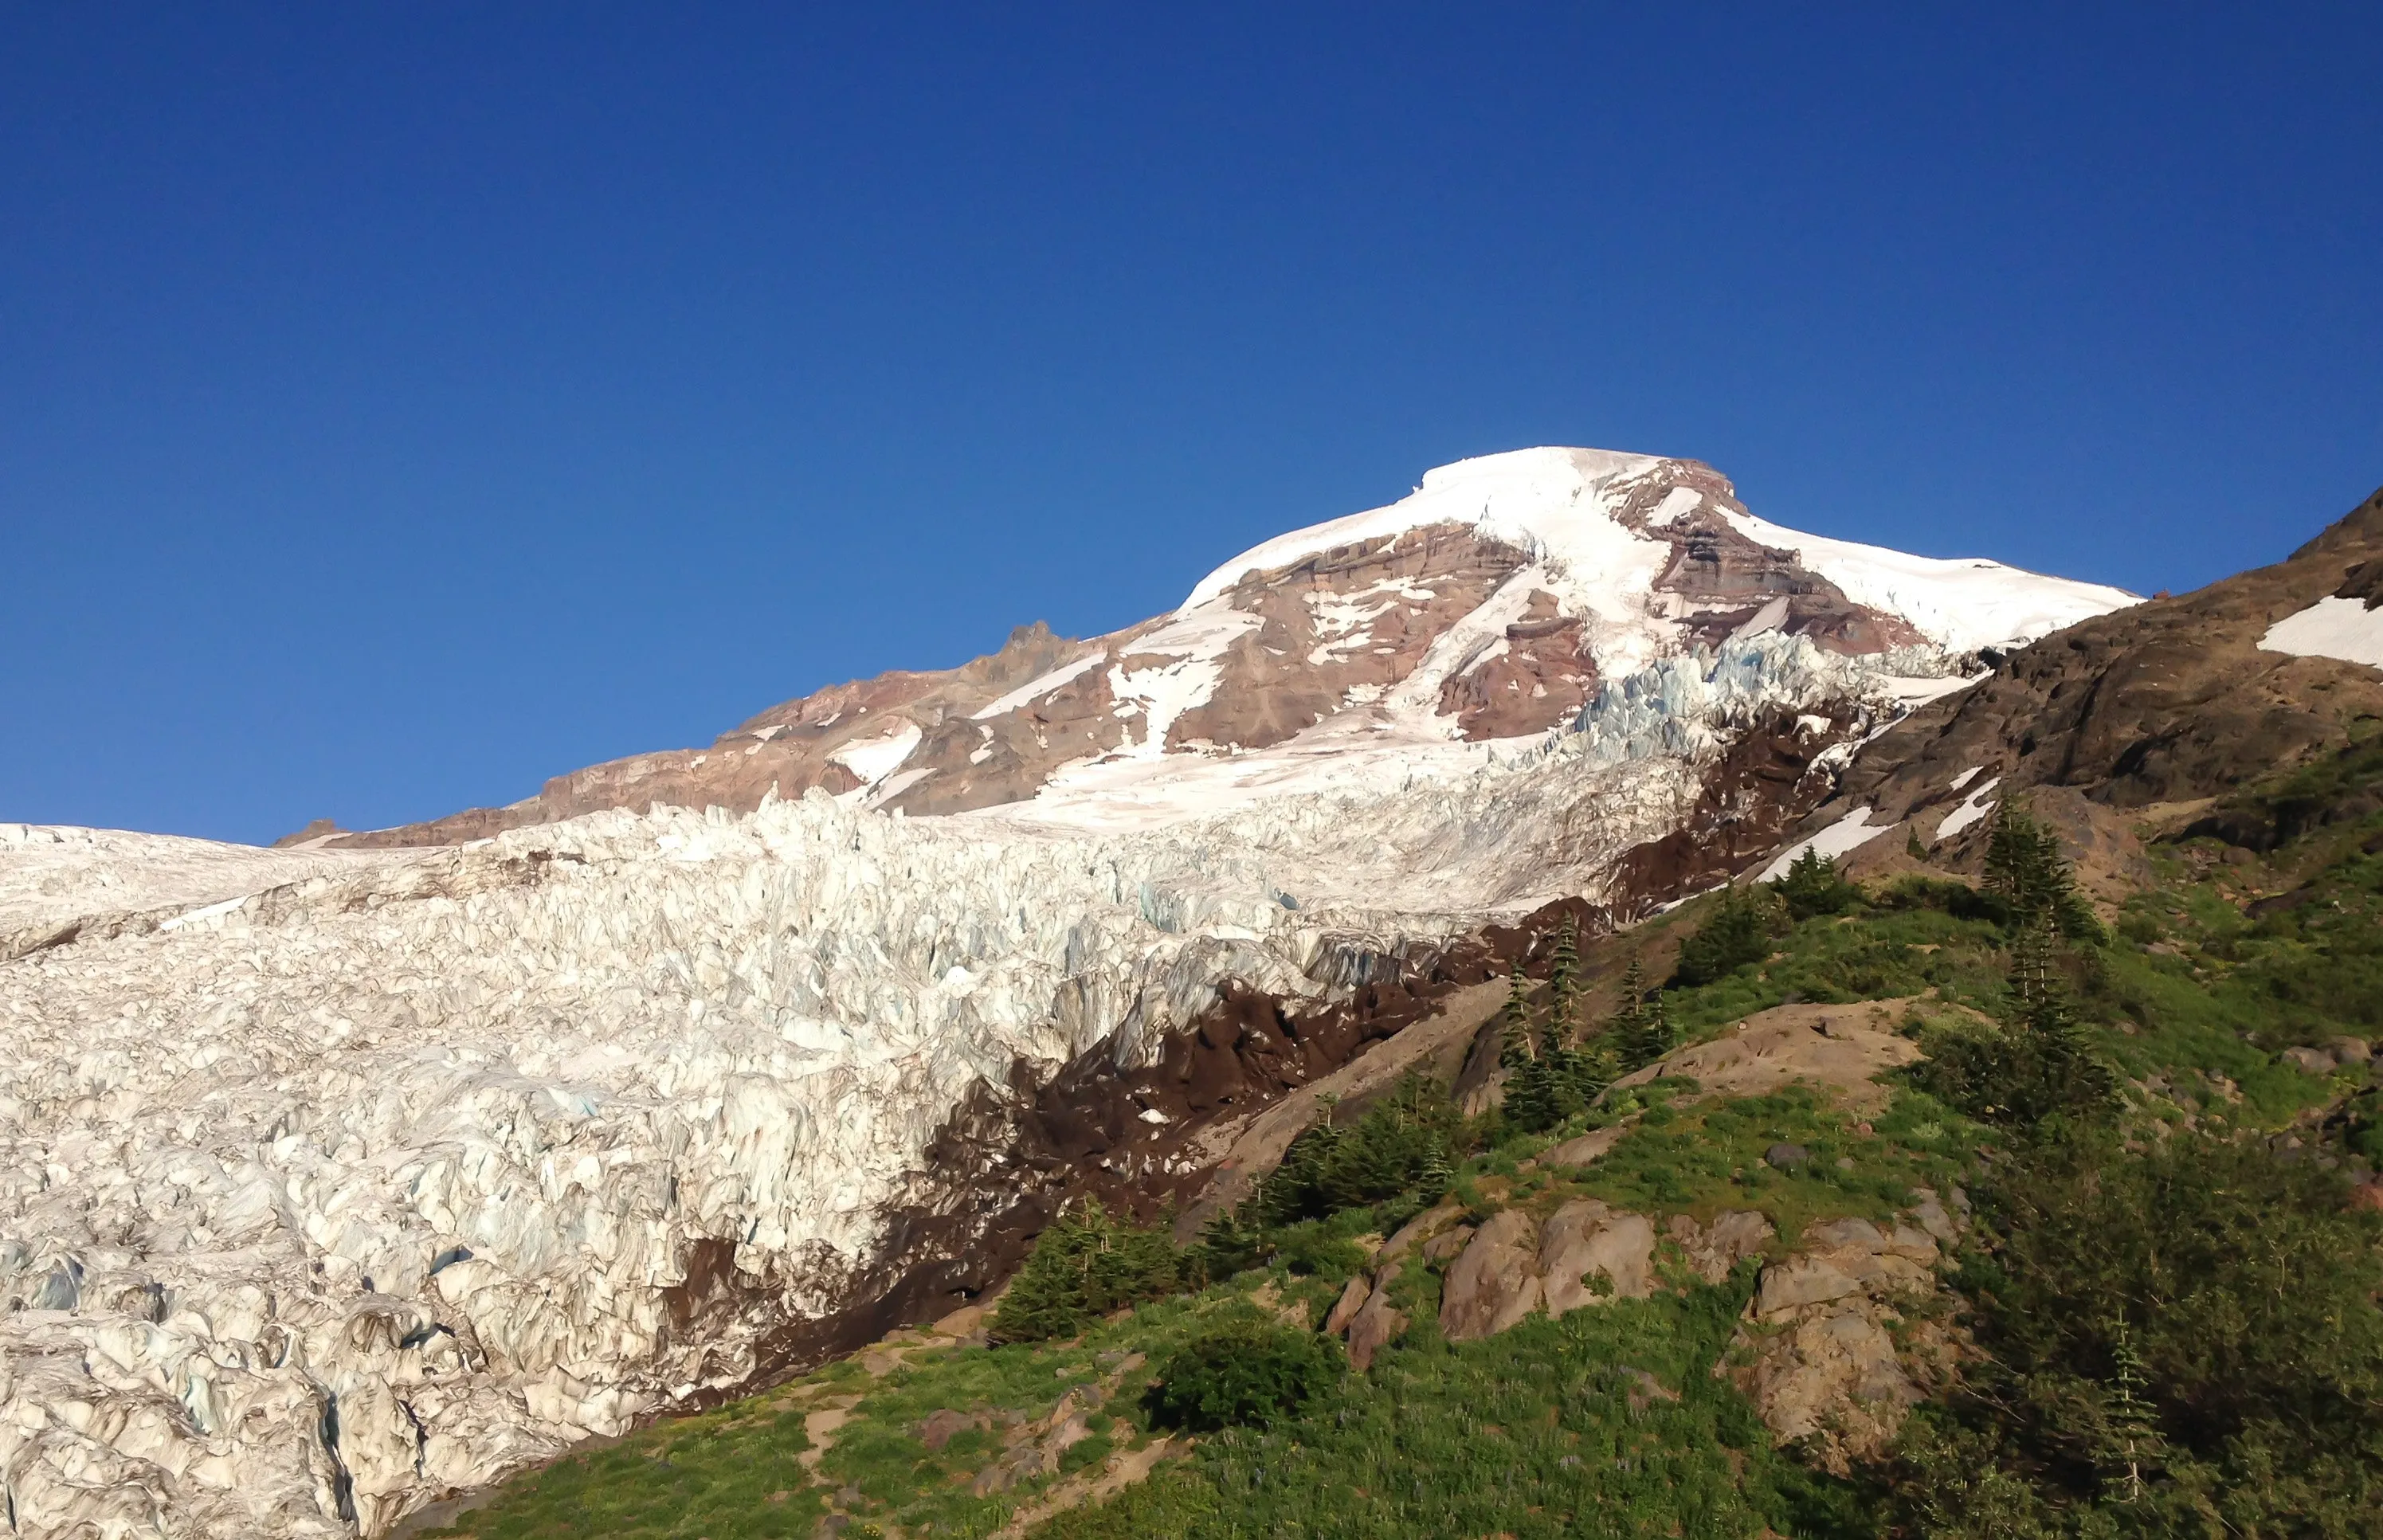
(1845, 1047)
(2146, 709)
(1715, 1250)
(1496, 1283)
(1377, 1323)
(1589, 1252)
(1585, 1254)
(1825, 1365)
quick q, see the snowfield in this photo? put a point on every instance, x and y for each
(2342, 628)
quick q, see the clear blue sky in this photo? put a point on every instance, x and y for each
(400, 405)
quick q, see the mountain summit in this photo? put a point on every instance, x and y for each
(1491, 603)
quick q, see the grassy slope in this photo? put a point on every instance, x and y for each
(1608, 1421)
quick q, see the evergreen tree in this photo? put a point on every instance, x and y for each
(1735, 933)
(2057, 1053)
(1651, 1037)
(1438, 1173)
(1563, 981)
(2027, 872)
(1514, 1046)
(2134, 1424)
(1534, 1098)
(1083, 1266)
(1227, 1246)
(1633, 1004)
(1811, 885)
(2043, 1062)
(1328, 1168)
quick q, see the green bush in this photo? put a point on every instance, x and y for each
(1242, 1372)
(1811, 886)
(2179, 1341)
(1737, 932)
(1083, 1266)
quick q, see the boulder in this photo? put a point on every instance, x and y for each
(1495, 1283)
(1585, 1149)
(1422, 1227)
(1714, 1249)
(1589, 1254)
(1352, 1299)
(1376, 1322)
(1446, 1244)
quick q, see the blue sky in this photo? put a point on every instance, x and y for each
(400, 405)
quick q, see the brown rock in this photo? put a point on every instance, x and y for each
(1445, 1245)
(1585, 1149)
(1585, 1240)
(1495, 1283)
(939, 1428)
(1734, 1236)
(1834, 1378)
(1843, 1046)
(2146, 713)
(1351, 1299)
(1422, 1227)
(1828, 1369)
(2316, 1061)
(1377, 1324)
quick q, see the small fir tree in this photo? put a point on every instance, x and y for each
(1652, 1036)
(2027, 872)
(2134, 1426)
(1083, 1266)
(1737, 932)
(1564, 983)
(1514, 1046)
(1811, 885)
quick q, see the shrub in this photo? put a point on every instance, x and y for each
(1735, 933)
(1243, 1371)
(1082, 1267)
(2186, 1336)
(1811, 886)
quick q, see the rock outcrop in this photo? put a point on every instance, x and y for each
(1827, 1354)
(2144, 713)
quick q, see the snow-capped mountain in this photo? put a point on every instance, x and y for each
(335, 1179)
(1491, 604)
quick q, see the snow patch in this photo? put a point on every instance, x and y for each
(2332, 627)
(1962, 604)
(1035, 689)
(873, 760)
(1972, 809)
(1850, 833)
